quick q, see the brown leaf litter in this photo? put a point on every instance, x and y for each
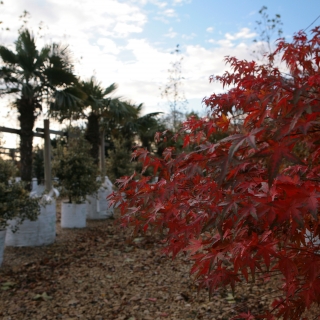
(96, 273)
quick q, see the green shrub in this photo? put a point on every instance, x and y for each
(119, 163)
(15, 201)
(76, 170)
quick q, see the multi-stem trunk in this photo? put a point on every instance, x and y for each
(93, 136)
(27, 117)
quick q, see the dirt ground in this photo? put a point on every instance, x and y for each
(97, 273)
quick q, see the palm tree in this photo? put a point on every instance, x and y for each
(36, 77)
(143, 127)
(102, 112)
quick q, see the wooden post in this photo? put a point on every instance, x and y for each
(13, 154)
(47, 155)
(102, 156)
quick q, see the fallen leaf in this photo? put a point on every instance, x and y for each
(43, 296)
(73, 302)
(230, 298)
(7, 285)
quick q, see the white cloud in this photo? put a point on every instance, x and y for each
(210, 29)
(160, 4)
(244, 33)
(189, 36)
(170, 13)
(108, 45)
(171, 34)
(225, 43)
(124, 29)
(116, 18)
(180, 2)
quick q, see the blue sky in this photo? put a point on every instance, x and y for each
(129, 41)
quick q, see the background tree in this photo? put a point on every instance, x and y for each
(246, 207)
(1, 3)
(118, 162)
(136, 131)
(173, 91)
(3, 28)
(101, 111)
(141, 128)
(38, 163)
(267, 28)
(35, 77)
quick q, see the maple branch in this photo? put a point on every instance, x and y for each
(289, 89)
(310, 179)
(299, 249)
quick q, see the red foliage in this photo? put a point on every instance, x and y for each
(246, 206)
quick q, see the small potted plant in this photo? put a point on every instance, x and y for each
(76, 171)
(15, 203)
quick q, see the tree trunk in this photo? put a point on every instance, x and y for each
(93, 136)
(26, 108)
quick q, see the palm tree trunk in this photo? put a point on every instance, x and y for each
(93, 136)
(26, 107)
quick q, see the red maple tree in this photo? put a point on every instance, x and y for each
(246, 206)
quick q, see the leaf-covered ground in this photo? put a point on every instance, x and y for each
(96, 273)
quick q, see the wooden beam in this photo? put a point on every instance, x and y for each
(60, 133)
(12, 156)
(10, 130)
(13, 149)
(18, 131)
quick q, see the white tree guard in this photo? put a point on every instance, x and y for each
(37, 189)
(34, 233)
(108, 186)
(2, 243)
(34, 185)
(73, 215)
(47, 223)
(92, 207)
(98, 205)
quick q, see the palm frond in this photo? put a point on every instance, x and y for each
(120, 110)
(66, 103)
(27, 52)
(7, 74)
(7, 55)
(110, 89)
(57, 76)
